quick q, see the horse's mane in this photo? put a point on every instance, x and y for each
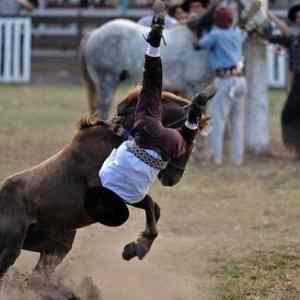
(92, 121)
(166, 97)
(130, 100)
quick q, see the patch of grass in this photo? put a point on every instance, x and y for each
(262, 275)
(35, 122)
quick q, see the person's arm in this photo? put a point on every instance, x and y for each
(26, 4)
(207, 42)
(283, 27)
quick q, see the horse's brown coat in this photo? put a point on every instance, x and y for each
(44, 205)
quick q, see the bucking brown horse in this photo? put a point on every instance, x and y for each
(42, 207)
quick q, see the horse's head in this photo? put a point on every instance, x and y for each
(173, 116)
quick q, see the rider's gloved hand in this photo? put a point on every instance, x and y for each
(199, 103)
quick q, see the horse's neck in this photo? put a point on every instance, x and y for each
(172, 116)
(96, 136)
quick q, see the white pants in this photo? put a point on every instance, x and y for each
(228, 110)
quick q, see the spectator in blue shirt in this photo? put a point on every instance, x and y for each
(224, 45)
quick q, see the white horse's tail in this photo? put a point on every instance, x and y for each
(87, 80)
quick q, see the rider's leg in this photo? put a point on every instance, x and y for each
(149, 103)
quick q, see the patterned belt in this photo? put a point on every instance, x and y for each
(144, 156)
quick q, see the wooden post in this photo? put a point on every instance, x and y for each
(257, 104)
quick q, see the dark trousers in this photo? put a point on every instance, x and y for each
(290, 117)
(148, 128)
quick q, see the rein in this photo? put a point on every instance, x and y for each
(180, 119)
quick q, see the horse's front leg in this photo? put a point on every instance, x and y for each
(144, 242)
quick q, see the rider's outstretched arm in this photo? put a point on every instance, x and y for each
(196, 112)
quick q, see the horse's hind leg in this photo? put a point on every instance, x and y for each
(12, 234)
(105, 90)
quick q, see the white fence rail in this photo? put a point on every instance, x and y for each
(277, 67)
(15, 49)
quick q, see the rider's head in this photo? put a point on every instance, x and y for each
(294, 14)
(223, 17)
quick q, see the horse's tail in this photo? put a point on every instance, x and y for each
(88, 82)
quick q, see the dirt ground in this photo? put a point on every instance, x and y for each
(215, 217)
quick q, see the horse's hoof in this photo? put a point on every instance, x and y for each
(141, 251)
(130, 251)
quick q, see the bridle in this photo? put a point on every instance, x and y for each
(180, 120)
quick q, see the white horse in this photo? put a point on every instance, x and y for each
(116, 51)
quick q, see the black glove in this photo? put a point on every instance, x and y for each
(199, 103)
(155, 34)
